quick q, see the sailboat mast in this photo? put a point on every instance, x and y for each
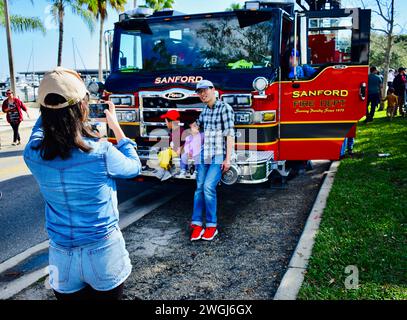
(73, 48)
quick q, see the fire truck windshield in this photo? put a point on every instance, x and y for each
(210, 43)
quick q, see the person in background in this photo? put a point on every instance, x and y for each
(13, 107)
(373, 98)
(400, 85)
(301, 72)
(76, 173)
(392, 103)
(390, 78)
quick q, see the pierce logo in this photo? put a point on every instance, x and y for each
(175, 95)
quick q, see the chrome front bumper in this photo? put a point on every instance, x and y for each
(248, 167)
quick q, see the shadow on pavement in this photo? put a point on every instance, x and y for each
(7, 154)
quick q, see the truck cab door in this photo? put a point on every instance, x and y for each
(322, 103)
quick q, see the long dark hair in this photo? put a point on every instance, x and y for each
(63, 129)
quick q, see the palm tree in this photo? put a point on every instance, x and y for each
(17, 23)
(21, 24)
(58, 8)
(159, 4)
(99, 9)
(234, 6)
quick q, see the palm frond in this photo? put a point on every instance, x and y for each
(86, 15)
(23, 24)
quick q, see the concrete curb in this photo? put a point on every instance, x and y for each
(293, 278)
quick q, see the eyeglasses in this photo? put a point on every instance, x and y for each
(200, 91)
(8, 93)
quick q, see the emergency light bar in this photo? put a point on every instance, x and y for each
(287, 5)
(137, 12)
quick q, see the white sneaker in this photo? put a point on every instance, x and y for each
(159, 173)
(182, 173)
(166, 175)
(13, 144)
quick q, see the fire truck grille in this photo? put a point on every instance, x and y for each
(154, 104)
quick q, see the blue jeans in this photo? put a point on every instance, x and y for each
(207, 179)
(184, 161)
(372, 99)
(103, 265)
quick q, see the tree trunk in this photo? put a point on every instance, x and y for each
(387, 56)
(9, 48)
(61, 36)
(102, 21)
(387, 59)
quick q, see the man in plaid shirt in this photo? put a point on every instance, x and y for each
(217, 121)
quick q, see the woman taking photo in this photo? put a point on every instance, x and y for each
(13, 107)
(76, 174)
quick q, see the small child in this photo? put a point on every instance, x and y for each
(192, 147)
(162, 166)
(392, 103)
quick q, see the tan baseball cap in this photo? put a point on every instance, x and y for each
(65, 82)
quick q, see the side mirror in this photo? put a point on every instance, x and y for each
(123, 62)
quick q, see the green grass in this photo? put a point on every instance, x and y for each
(364, 222)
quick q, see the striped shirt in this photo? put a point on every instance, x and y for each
(217, 123)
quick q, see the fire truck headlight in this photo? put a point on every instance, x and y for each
(126, 101)
(244, 100)
(238, 100)
(122, 99)
(260, 84)
(229, 100)
(126, 116)
(115, 100)
(129, 117)
(243, 117)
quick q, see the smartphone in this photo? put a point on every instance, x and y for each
(96, 110)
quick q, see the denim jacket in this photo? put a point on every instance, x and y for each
(80, 192)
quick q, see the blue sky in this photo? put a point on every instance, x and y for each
(44, 48)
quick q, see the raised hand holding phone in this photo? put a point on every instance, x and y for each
(112, 122)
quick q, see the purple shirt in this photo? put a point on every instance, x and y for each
(193, 144)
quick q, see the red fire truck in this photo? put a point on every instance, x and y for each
(296, 79)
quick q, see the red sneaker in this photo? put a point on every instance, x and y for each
(197, 232)
(210, 233)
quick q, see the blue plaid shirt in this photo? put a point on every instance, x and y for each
(217, 123)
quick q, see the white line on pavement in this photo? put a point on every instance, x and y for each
(12, 288)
